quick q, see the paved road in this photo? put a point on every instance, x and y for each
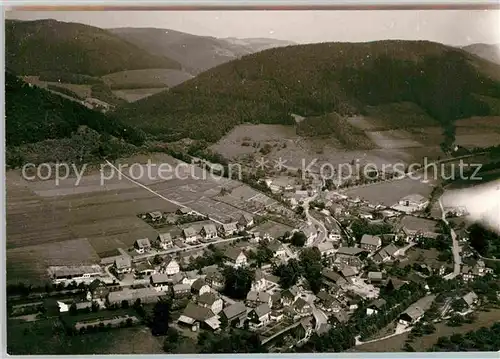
(184, 249)
(323, 233)
(457, 260)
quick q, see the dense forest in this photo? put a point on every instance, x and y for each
(483, 339)
(36, 117)
(317, 79)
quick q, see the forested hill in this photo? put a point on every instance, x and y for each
(34, 115)
(35, 47)
(315, 79)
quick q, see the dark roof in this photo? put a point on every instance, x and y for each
(370, 240)
(300, 303)
(235, 310)
(262, 309)
(197, 312)
(233, 253)
(258, 296)
(198, 284)
(379, 303)
(333, 276)
(208, 298)
(275, 245)
(351, 251)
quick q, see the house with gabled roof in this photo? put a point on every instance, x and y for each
(164, 241)
(236, 314)
(246, 220)
(370, 243)
(200, 287)
(228, 229)
(197, 316)
(123, 264)
(387, 253)
(255, 299)
(190, 235)
(142, 245)
(236, 256)
(260, 315)
(212, 301)
(209, 231)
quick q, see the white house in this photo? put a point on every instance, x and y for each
(326, 249)
(209, 231)
(370, 243)
(212, 301)
(142, 245)
(260, 316)
(229, 229)
(200, 287)
(236, 256)
(246, 220)
(160, 281)
(260, 282)
(123, 264)
(311, 234)
(189, 235)
(170, 267)
(164, 241)
(277, 248)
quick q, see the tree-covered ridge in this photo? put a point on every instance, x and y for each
(483, 339)
(43, 126)
(317, 79)
(33, 47)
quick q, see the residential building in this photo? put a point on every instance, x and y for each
(276, 316)
(375, 306)
(349, 256)
(416, 311)
(64, 273)
(333, 277)
(255, 299)
(370, 243)
(146, 295)
(328, 302)
(246, 220)
(326, 249)
(236, 256)
(164, 241)
(349, 273)
(183, 211)
(413, 203)
(170, 267)
(415, 228)
(302, 307)
(375, 277)
(144, 268)
(190, 235)
(190, 277)
(209, 231)
(277, 248)
(160, 281)
(200, 287)
(471, 299)
(387, 253)
(215, 280)
(199, 317)
(123, 264)
(290, 295)
(260, 315)
(181, 290)
(236, 314)
(259, 283)
(142, 245)
(276, 300)
(212, 301)
(229, 229)
(311, 234)
(155, 216)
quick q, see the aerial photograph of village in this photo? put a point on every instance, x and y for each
(190, 182)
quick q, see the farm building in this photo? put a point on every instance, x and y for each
(416, 311)
(146, 295)
(200, 287)
(144, 268)
(62, 273)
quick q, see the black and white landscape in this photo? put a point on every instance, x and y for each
(265, 182)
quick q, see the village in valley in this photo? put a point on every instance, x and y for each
(296, 261)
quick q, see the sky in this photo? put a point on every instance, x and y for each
(451, 27)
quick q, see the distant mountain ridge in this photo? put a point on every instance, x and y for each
(195, 53)
(490, 52)
(34, 47)
(318, 79)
